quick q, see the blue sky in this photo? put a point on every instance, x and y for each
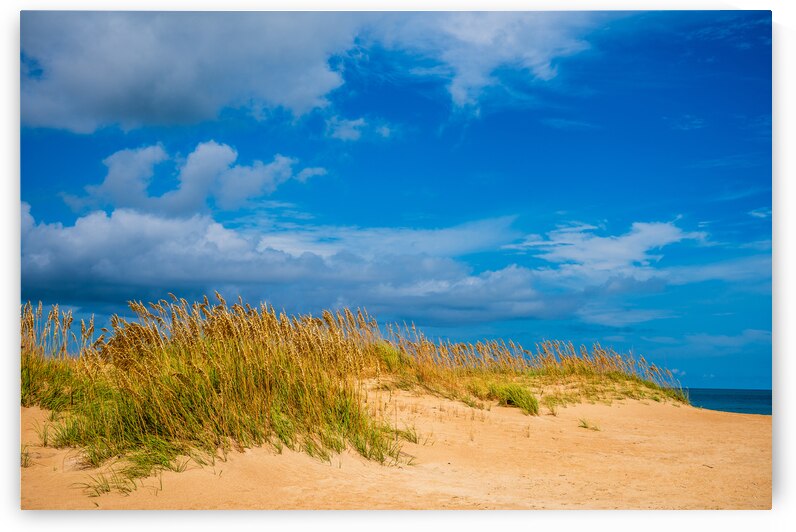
(581, 176)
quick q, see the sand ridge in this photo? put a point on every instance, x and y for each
(645, 455)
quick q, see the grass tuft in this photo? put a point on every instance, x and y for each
(515, 395)
(586, 424)
(25, 459)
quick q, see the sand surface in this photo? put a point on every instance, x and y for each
(645, 456)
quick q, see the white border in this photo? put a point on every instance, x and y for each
(719, 521)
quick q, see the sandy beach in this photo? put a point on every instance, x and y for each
(643, 455)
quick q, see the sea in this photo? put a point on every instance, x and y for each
(726, 400)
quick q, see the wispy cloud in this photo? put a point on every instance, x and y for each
(739, 30)
(748, 336)
(619, 316)
(354, 129)
(327, 241)
(660, 339)
(474, 45)
(762, 212)
(752, 268)
(579, 245)
(342, 129)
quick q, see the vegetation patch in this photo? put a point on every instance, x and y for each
(586, 424)
(515, 395)
(198, 380)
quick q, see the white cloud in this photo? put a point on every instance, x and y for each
(208, 172)
(140, 68)
(129, 254)
(603, 270)
(339, 128)
(618, 316)
(751, 268)
(129, 174)
(507, 293)
(206, 165)
(327, 241)
(473, 46)
(583, 254)
(357, 129)
(660, 339)
(763, 212)
(407, 273)
(239, 183)
(307, 173)
(85, 70)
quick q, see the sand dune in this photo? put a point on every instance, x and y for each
(644, 456)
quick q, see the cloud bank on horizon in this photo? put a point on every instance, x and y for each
(589, 176)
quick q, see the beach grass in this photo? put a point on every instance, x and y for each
(200, 379)
(586, 424)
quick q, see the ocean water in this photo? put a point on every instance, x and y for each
(743, 401)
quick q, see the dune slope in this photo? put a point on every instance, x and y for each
(644, 456)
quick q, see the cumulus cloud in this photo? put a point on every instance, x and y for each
(208, 172)
(129, 254)
(141, 250)
(138, 68)
(402, 273)
(125, 184)
(85, 70)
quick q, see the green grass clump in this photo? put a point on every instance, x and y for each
(205, 378)
(586, 424)
(392, 358)
(551, 402)
(24, 455)
(195, 380)
(515, 395)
